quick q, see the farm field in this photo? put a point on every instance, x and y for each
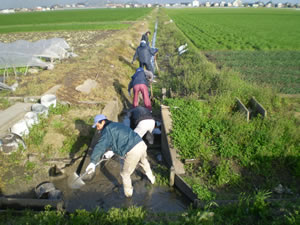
(87, 19)
(262, 44)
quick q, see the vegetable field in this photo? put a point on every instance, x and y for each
(262, 44)
(87, 19)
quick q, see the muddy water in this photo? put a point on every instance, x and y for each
(105, 191)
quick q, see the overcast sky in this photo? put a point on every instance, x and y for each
(4, 4)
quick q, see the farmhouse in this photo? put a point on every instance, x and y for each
(6, 11)
(237, 3)
(195, 3)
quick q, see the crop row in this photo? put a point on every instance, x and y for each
(280, 69)
(251, 29)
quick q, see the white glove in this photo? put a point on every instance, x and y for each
(90, 168)
(129, 93)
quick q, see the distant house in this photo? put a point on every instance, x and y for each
(228, 4)
(80, 5)
(216, 4)
(7, 11)
(38, 8)
(207, 4)
(149, 5)
(195, 3)
(279, 5)
(222, 4)
(24, 10)
(237, 3)
(269, 5)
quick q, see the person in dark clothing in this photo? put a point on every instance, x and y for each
(124, 142)
(144, 54)
(142, 122)
(139, 83)
(145, 37)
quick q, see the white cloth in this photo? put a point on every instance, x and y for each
(144, 126)
(91, 168)
(108, 154)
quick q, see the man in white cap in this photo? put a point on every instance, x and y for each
(123, 141)
(144, 54)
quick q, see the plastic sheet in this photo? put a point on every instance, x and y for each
(23, 53)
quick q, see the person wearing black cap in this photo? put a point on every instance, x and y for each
(145, 37)
(124, 142)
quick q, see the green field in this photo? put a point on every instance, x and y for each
(236, 29)
(88, 19)
(262, 44)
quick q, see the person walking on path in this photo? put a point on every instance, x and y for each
(144, 54)
(145, 37)
(124, 142)
(139, 83)
(142, 122)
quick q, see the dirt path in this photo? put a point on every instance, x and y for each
(103, 56)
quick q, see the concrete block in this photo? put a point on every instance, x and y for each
(184, 188)
(243, 109)
(257, 108)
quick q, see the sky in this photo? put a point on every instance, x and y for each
(4, 4)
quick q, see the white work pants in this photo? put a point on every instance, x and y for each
(138, 154)
(144, 126)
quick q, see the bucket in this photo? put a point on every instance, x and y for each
(31, 118)
(55, 195)
(43, 189)
(48, 100)
(10, 143)
(39, 109)
(20, 128)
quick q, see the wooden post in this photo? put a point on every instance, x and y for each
(172, 176)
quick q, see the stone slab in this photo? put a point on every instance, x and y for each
(112, 110)
(53, 90)
(87, 86)
(11, 115)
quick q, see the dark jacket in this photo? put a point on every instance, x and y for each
(144, 53)
(138, 78)
(145, 38)
(138, 114)
(117, 137)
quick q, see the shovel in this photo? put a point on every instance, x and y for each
(75, 181)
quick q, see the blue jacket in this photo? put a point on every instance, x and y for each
(117, 137)
(138, 78)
